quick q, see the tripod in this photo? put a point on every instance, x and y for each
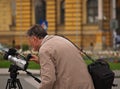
(13, 82)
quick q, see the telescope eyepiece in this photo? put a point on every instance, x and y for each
(12, 51)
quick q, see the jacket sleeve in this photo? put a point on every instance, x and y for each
(47, 70)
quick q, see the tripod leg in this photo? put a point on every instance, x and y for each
(8, 84)
(19, 84)
(13, 83)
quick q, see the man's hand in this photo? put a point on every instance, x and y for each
(34, 58)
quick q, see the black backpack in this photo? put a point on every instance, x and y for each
(101, 74)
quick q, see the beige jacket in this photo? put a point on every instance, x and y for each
(62, 66)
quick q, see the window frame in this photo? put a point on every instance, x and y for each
(93, 15)
(41, 4)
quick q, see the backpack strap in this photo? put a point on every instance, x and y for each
(81, 50)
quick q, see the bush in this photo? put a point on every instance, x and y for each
(1, 57)
(25, 47)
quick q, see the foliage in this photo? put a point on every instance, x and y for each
(1, 57)
(25, 47)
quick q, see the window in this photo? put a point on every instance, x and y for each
(92, 11)
(62, 12)
(40, 10)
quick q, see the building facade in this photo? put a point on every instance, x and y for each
(90, 24)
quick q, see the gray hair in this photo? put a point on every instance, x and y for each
(37, 31)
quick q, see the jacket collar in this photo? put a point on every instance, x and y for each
(46, 38)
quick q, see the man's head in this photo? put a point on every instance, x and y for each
(35, 35)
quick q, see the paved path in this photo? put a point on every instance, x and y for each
(32, 84)
(117, 81)
(4, 71)
(29, 83)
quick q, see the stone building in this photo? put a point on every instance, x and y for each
(90, 24)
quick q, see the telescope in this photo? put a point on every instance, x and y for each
(17, 59)
(20, 62)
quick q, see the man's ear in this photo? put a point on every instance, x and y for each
(35, 38)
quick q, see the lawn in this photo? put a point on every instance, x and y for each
(6, 64)
(32, 65)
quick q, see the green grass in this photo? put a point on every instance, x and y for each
(115, 66)
(32, 65)
(6, 64)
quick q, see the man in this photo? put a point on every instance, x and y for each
(62, 66)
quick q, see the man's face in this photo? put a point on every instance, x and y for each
(34, 42)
